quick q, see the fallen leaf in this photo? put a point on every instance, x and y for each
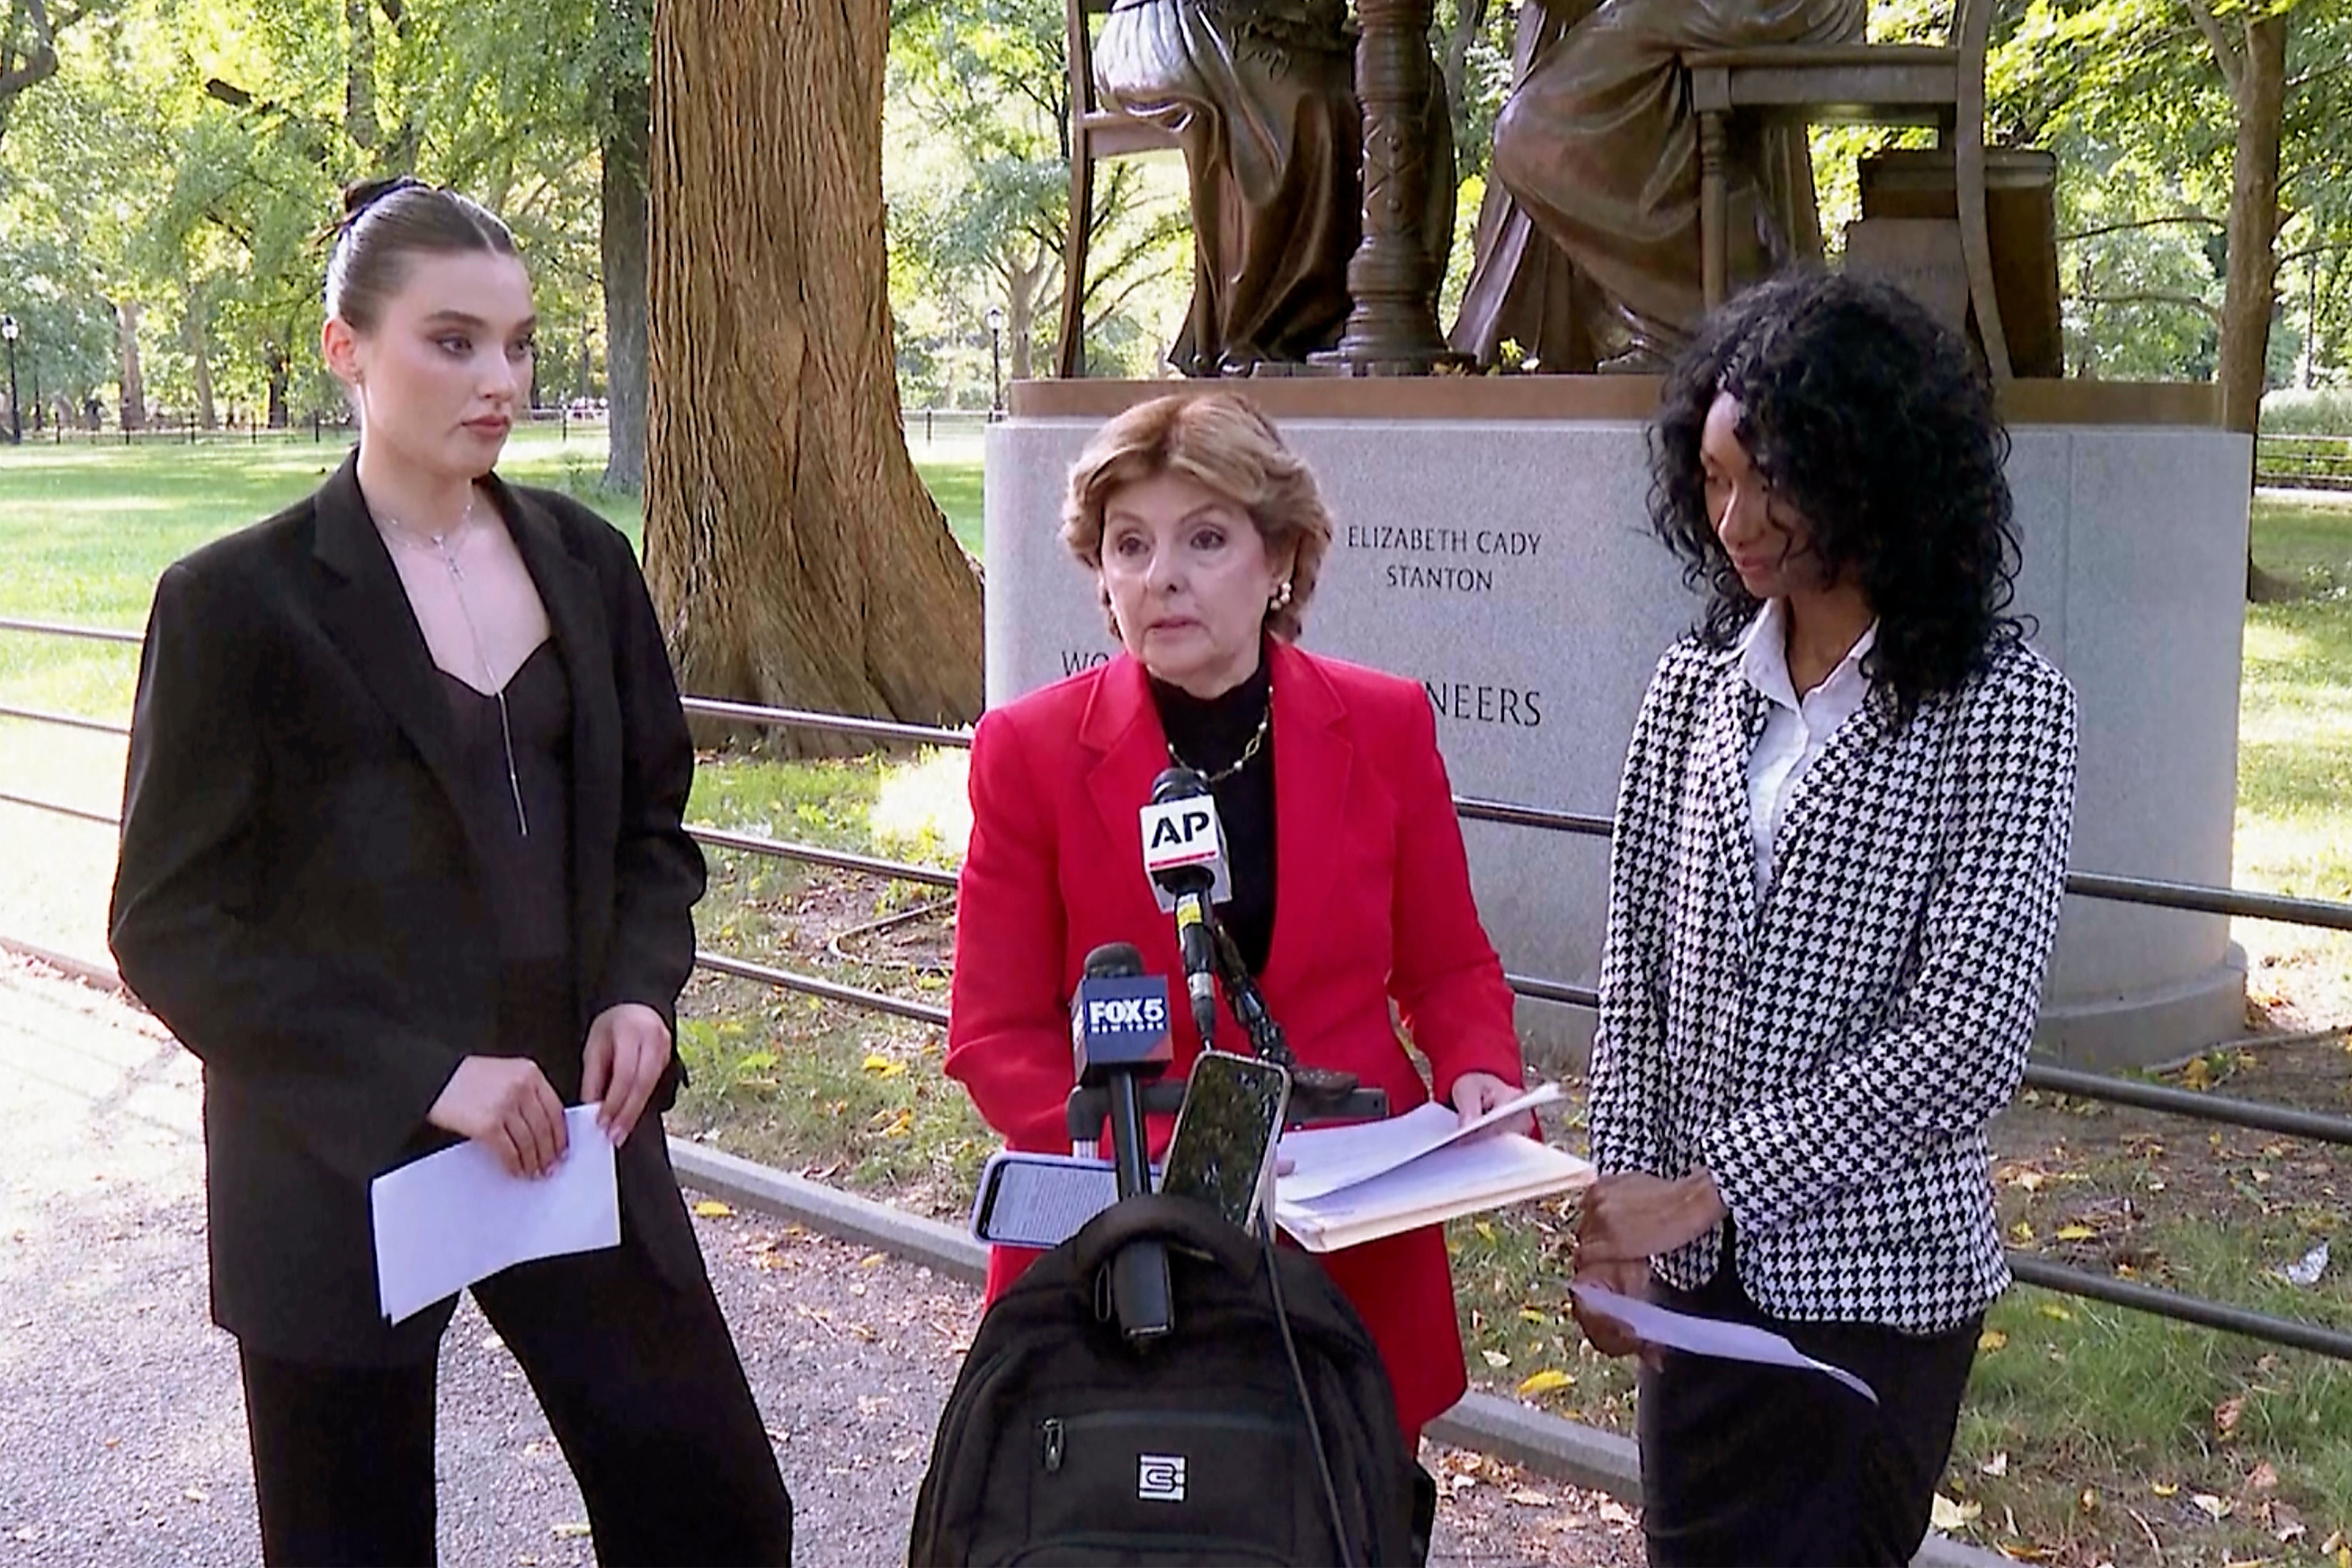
(1544, 1381)
(1529, 1315)
(2246, 1562)
(195, 1494)
(872, 1261)
(1484, 1230)
(2089, 1501)
(2165, 1489)
(2021, 1231)
(882, 1066)
(711, 1208)
(1496, 1358)
(2077, 1233)
(568, 1531)
(1611, 1512)
(2286, 1523)
(1526, 1499)
(2265, 1478)
(1990, 1340)
(1996, 1466)
(2215, 1508)
(1948, 1516)
(2053, 1310)
(2227, 1413)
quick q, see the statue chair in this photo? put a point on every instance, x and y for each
(1095, 132)
(1857, 84)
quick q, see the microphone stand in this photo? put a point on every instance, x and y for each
(1317, 1093)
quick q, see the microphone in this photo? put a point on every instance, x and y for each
(1118, 1036)
(1184, 855)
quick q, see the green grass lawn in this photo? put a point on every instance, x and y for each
(2089, 1431)
(86, 529)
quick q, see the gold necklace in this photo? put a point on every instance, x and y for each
(1256, 742)
(438, 545)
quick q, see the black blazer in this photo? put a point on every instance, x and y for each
(297, 898)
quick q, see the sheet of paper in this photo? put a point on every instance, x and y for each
(1463, 1177)
(1670, 1330)
(1325, 1159)
(453, 1218)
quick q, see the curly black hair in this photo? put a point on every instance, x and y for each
(1874, 423)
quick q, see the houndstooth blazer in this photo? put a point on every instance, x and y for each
(1831, 1056)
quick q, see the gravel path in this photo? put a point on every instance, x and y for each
(123, 1435)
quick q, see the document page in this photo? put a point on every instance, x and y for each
(1325, 1159)
(1670, 1330)
(453, 1218)
(1464, 1176)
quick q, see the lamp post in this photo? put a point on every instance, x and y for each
(8, 329)
(995, 319)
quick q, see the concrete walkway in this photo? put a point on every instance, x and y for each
(122, 1433)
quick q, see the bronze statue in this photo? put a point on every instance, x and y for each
(1588, 245)
(1262, 94)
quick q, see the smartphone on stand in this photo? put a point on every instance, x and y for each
(1222, 1149)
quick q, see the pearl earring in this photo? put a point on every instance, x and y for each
(1281, 596)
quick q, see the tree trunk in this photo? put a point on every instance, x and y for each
(279, 368)
(793, 553)
(358, 75)
(627, 149)
(1022, 286)
(2249, 293)
(200, 361)
(135, 381)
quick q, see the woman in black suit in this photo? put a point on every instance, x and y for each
(403, 863)
(1839, 853)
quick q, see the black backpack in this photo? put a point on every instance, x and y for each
(1062, 1443)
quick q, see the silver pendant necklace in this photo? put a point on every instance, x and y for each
(441, 546)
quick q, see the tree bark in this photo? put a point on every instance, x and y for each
(135, 381)
(359, 76)
(626, 149)
(200, 361)
(1023, 283)
(2250, 292)
(278, 368)
(793, 554)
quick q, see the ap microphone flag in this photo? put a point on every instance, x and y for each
(1183, 832)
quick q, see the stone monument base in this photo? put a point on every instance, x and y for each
(1491, 544)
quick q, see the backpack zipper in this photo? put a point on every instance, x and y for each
(1054, 1443)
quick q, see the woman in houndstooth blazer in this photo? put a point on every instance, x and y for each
(1841, 847)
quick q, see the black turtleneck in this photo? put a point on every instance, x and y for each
(1209, 735)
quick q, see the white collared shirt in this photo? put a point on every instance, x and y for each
(1797, 729)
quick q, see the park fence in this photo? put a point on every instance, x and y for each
(2031, 1268)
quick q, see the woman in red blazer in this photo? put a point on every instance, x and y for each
(1351, 891)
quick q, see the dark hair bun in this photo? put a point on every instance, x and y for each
(358, 198)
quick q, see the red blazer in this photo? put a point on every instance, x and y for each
(1373, 906)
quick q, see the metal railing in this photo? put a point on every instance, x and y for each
(2031, 1268)
(2305, 461)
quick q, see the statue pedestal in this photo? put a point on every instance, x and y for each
(1492, 543)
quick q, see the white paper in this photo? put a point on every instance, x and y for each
(453, 1218)
(1325, 1159)
(1670, 1330)
(1464, 1176)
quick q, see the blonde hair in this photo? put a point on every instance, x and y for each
(1222, 442)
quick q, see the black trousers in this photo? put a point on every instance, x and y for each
(640, 1382)
(1754, 1465)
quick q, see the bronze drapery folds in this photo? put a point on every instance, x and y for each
(1262, 94)
(1588, 246)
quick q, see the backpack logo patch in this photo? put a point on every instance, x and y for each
(1160, 1478)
